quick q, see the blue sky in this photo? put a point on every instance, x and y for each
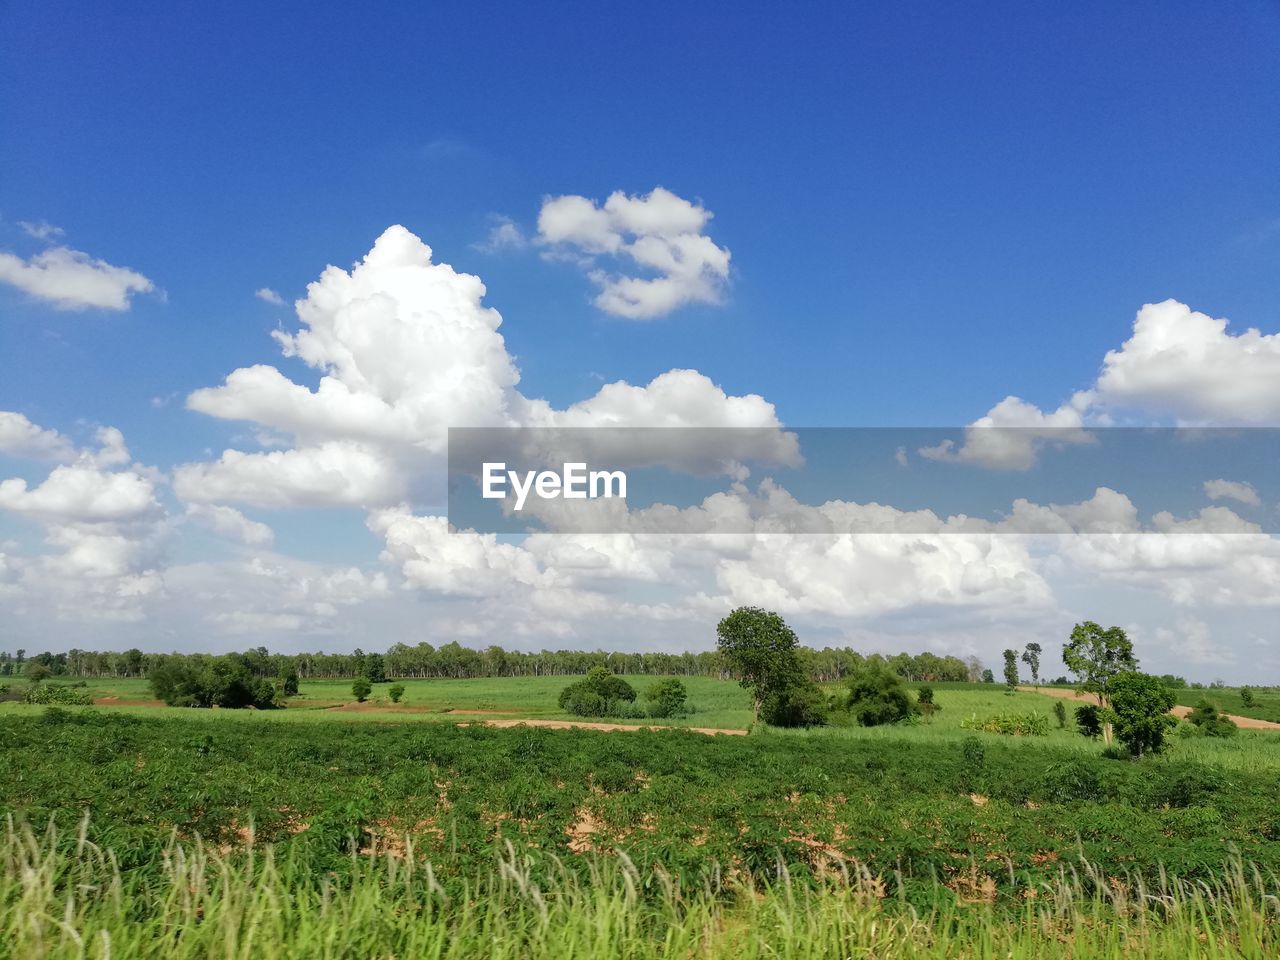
(928, 208)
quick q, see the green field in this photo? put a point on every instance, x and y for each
(376, 826)
(1265, 706)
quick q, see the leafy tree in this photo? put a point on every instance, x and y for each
(289, 683)
(395, 692)
(988, 676)
(36, 671)
(1096, 656)
(599, 694)
(1139, 709)
(361, 689)
(1010, 670)
(761, 649)
(1210, 722)
(225, 681)
(666, 698)
(1088, 720)
(878, 696)
(1060, 711)
(1031, 657)
(374, 668)
(1246, 697)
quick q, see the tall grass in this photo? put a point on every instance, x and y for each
(64, 897)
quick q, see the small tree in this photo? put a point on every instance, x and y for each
(1096, 656)
(1060, 711)
(761, 649)
(1088, 722)
(1031, 657)
(361, 689)
(395, 692)
(1010, 670)
(1139, 709)
(374, 668)
(877, 696)
(988, 676)
(1246, 697)
(924, 700)
(289, 683)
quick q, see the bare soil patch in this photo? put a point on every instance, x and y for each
(1244, 723)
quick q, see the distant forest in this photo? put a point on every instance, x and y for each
(452, 660)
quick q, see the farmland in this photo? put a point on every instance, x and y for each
(663, 835)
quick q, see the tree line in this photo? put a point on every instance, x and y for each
(452, 660)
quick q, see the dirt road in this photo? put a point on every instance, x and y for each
(1244, 723)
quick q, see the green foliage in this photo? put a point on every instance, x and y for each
(667, 698)
(1246, 697)
(877, 696)
(1031, 657)
(1010, 670)
(375, 670)
(1209, 722)
(57, 693)
(361, 688)
(1089, 720)
(1096, 656)
(600, 694)
(924, 700)
(225, 681)
(36, 671)
(799, 705)
(1060, 712)
(988, 676)
(395, 692)
(761, 649)
(1032, 724)
(289, 683)
(1140, 705)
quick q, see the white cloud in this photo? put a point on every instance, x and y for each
(1232, 490)
(504, 234)
(81, 494)
(660, 233)
(40, 229)
(19, 437)
(232, 524)
(1184, 364)
(1192, 640)
(267, 295)
(72, 280)
(407, 350)
(1013, 432)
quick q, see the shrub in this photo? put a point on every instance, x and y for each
(799, 705)
(1208, 721)
(225, 681)
(1089, 721)
(395, 692)
(924, 700)
(289, 684)
(599, 694)
(877, 696)
(666, 698)
(1246, 697)
(1140, 705)
(361, 688)
(50, 693)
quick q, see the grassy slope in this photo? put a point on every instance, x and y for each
(1266, 704)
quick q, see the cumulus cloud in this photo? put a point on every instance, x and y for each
(267, 295)
(231, 524)
(408, 349)
(72, 280)
(1232, 490)
(40, 229)
(1013, 432)
(19, 437)
(659, 233)
(1185, 364)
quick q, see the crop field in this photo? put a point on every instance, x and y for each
(1263, 702)
(376, 825)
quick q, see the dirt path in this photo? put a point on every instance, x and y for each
(1244, 723)
(587, 725)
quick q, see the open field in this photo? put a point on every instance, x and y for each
(376, 826)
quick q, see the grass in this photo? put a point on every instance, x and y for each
(64, 897)
(1266, 701)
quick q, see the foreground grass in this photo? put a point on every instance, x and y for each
(64, 897)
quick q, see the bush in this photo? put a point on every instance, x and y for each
(395, 692)
(1089, 721)
(924, 700)
(1209, 722)
(800, 705)
(225, 681)
(1140, 705)
(599, 694)
(1060, 712)
(666, 698)
(50, 693)
(361, 688)
(877, 696)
